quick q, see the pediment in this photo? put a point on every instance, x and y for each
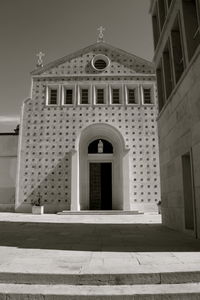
(79, 63)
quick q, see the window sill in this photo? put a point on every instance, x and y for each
(149, 104)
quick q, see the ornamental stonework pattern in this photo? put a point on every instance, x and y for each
(49, 133)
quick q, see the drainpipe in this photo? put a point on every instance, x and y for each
(194, 195)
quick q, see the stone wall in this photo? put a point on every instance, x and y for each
(8, 164)
(179, 133)
(49, 135)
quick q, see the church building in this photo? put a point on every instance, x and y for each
(88, 135)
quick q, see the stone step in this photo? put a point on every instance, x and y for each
(125, 292)
(101, 279)
(101, 212)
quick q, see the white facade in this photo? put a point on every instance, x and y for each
(99, 93)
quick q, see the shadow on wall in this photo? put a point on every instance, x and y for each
(96, 237)
(7, 199)
(54, 189)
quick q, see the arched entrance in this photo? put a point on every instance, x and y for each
(100, 177)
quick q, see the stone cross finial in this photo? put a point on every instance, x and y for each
(40, 61)
(100, 38)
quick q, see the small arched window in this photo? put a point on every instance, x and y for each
(100, 146)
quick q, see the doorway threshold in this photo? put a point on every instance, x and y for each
(100, 212)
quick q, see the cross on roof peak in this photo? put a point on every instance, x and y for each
(40, 55)
(100, 37)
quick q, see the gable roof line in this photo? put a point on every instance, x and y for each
(78, 52)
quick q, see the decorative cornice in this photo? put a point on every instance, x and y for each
(95, 75)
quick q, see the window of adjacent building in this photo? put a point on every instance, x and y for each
(169, 3)
(162, 12)
(178, 54)
(52, 95)
(156, 31)
(147, 95)
(160, 86)
(168, 75)
(84, 96)
(191, 21)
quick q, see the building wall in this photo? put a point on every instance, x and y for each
(8, 164)
(46, 149)
(179, 116)
(179, 132)
(47, 146)
(49, 134)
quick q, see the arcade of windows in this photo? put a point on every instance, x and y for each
(100, 95)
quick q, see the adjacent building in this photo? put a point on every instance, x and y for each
(8, 170)
(176, 29)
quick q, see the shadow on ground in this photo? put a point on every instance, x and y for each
(96, 237)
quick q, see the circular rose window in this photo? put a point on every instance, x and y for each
(100, 62)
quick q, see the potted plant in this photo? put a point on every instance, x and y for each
(37, 207)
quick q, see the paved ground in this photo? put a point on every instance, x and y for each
(93, 244)
(147, 218)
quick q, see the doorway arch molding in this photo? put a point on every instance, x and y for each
(80, 167)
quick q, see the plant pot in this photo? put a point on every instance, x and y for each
(37, 210)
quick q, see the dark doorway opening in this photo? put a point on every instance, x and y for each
(188, 191)
(100, 186)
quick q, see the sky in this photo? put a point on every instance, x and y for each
(58, 28)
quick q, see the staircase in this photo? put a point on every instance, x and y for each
(178, 285)
(52, 257)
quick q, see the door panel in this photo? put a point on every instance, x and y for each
(106, 186)
(95, 186)
(100, 186)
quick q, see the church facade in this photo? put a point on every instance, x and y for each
(88, 137)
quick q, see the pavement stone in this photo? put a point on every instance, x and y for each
(57, 244)
(125, 292)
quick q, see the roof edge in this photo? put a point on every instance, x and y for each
(38, 71)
